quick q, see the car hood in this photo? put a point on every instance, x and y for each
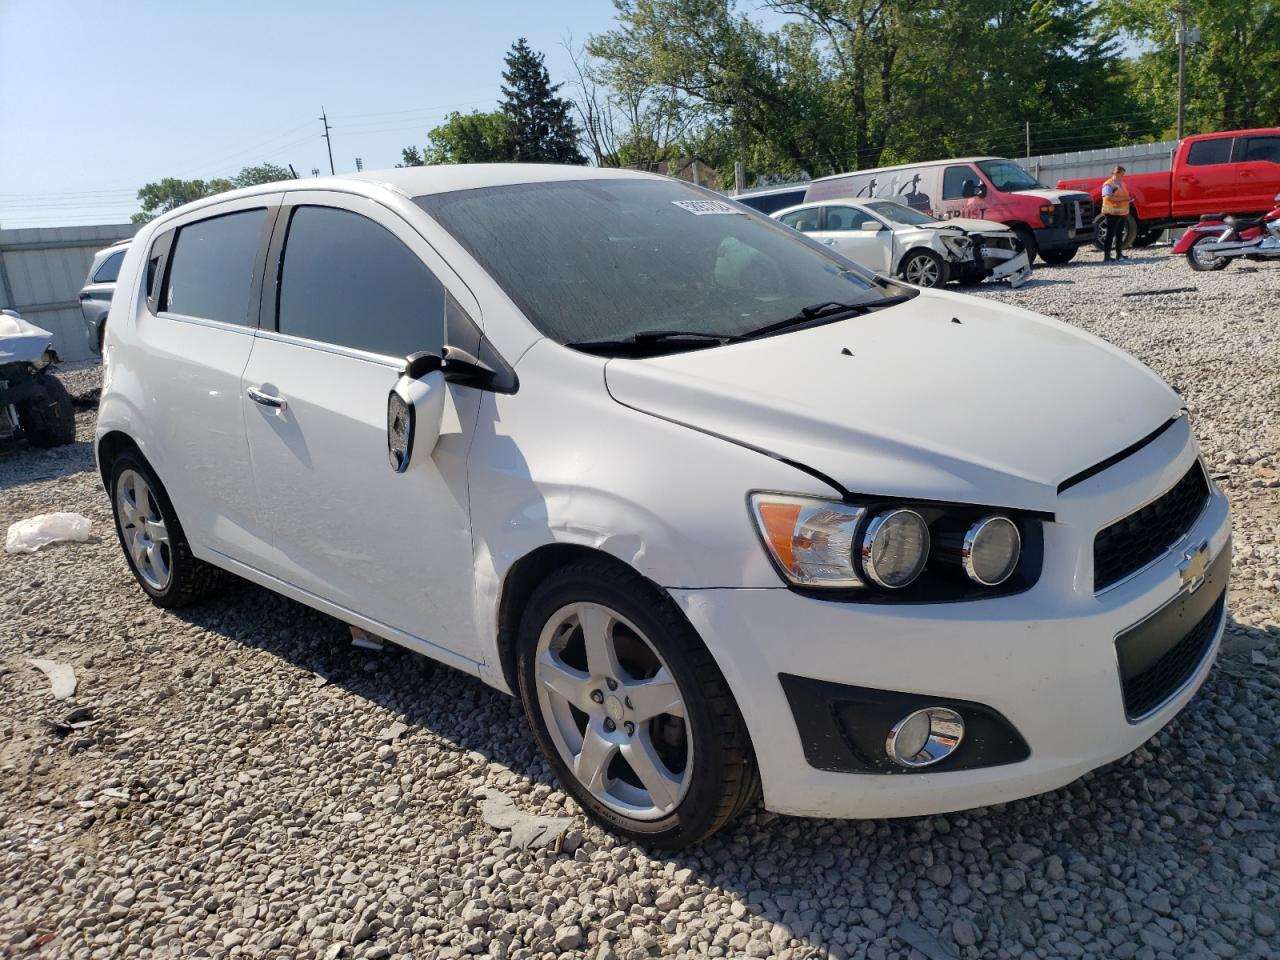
(945, 397)
(1051, 196)
(967, 225)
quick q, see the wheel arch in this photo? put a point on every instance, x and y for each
(524, 577)
(110, 445)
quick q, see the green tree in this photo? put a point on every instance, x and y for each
(541, 129)
(262, 173)
(1233, 72)
(471, 138)
(170, 193)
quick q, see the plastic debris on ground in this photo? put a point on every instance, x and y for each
(61, 677)
(30, 535)
(528, 830)
(368, 641)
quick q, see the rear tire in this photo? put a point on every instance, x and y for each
(48, 419)
(1147, 238)
(1201, 263)
(1100, 227)
(154, 545)
(578, 697)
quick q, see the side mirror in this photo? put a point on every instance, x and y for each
(871, 226)
(968, 189)
(415, 407)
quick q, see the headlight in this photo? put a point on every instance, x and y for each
(991, 550)
(875, 551)
(810, 540)
(894, 548)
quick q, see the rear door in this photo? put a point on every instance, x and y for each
(203, 278)
(356, 291)
(842, 228)
(1259, 166)
(1207, 180)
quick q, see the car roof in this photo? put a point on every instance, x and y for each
(836, 202)
(906, 166)
(420, 181)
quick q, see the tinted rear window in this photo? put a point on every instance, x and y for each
(110, 269)
(1206, 152)
(211, 267)
(348, 281)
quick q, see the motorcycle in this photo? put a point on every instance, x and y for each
(1217, 240)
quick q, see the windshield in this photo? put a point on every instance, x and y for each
(899, 213)
(1005, 176)
(591, 260)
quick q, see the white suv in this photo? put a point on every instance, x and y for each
(728, 513)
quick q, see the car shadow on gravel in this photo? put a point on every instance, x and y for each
(35, 465)
(936, 883)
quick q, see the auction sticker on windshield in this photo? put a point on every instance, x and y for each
(700, 208)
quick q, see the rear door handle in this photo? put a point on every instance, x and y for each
(830, 243)
(257, 396)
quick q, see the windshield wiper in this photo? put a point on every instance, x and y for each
(645, 337)
(827, 312)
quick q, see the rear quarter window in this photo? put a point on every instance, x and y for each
(211, 267)
(109, 269)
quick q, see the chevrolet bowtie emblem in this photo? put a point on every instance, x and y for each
(1194, 565)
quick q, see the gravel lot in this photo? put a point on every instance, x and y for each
(240, 790)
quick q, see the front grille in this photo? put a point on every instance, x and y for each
(1145, 691)
(1134, 541)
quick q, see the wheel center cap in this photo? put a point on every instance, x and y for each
(613, 707)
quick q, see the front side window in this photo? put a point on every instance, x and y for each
(806, 220)
(110, 269)
(211, 267)
(1206, 153)
(954, 180)
(899, 213)
(1262, 150)
(348, 281)
(846, 219)
(1006, 176)
(606, 259)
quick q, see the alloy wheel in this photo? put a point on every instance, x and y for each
(922, 271)
(143, 530)
(614, 711)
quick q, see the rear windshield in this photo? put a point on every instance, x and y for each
(604, 259)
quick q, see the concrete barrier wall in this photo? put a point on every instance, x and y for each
(1049, 168)
(42, 270)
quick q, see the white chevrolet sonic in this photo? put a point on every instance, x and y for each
(731, 515)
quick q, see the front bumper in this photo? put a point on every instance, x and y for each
(1045, 659)
(1063, 238)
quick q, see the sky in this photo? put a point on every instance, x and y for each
(97, 99)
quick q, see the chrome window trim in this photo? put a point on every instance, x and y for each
(206, 322)
(380, 359)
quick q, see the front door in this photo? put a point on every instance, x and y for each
(859, 235)
(359, 290)
(1259, 179)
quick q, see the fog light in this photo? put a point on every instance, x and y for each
(924, 737)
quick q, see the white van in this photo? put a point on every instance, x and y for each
(730, 515)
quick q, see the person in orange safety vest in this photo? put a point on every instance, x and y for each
(1115, 214)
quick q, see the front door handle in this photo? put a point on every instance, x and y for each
(266, 399)
(830, 243)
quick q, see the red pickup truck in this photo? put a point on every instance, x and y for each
(1233, 172)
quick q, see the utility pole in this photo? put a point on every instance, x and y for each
(739, 177)
(1182, 63)
(325, 120)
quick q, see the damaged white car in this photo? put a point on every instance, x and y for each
(891, 238)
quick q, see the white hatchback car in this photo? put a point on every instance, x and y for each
(729, 514)
(889, 237)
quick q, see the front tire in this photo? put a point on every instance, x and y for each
(154, 545)
(1060, 256)
(1028, 241)
(1202, 263)
(923, 268)
(48, 419)
(630, 709)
